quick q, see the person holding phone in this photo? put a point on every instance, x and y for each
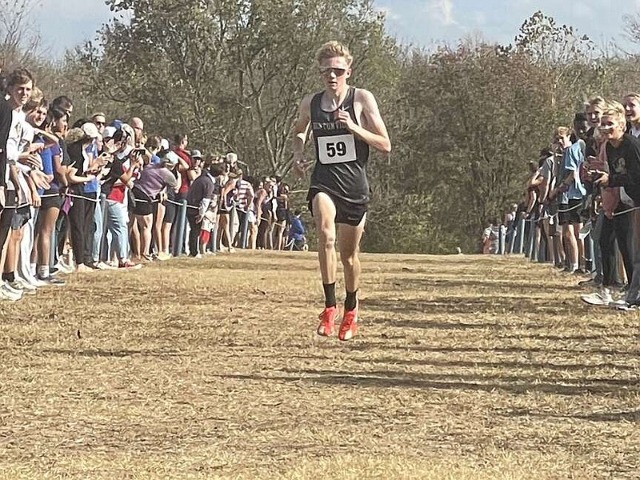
(622, 153)
(345, 122)
(121, 172)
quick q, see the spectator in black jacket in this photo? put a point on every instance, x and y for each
(202, 196)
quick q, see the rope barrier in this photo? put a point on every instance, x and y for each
(569, 209)
(94, 200)
(626, 211)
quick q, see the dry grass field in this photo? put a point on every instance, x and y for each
(466, 367)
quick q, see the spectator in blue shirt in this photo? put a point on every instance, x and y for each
(297, 232)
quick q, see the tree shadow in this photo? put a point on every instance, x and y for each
(489, 383)
(467, 349)
(522, 284)
(483, 364)
(122, 353)
(468, 305)
(579, 337)
(623, 416)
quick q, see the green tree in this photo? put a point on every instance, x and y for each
(231, 73)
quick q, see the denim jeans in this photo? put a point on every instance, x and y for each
(98, 237)
(117, 218)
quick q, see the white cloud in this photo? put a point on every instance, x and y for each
(442, 11)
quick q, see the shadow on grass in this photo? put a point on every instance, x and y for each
(488, 383)
(373, 346)
(625, 416)
(468, 305)
(113, 353)
(504, 364)
(520, 285)
(579, 337)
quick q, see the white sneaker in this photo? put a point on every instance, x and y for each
(600, 298)
(105, 266)
(10, 288)
(621, 303)
(36, 282)
(63, 267)
(26, 284)
(8, 294)
(24, 287)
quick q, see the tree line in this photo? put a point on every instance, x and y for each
(465, 120)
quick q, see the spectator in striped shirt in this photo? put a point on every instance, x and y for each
(244, 200)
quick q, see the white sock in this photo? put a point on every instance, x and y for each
(43, 271)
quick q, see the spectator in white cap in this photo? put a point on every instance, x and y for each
(122, 170)
(146, 190)
(196, 168)
(164, 222)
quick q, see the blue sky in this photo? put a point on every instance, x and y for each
(65, 23)
(428, 22)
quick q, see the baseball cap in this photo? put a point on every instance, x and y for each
(172, 158)
(90, 130)
(164, 144)
(109, 132)
(196, 154)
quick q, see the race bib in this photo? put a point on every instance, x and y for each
(336, 149)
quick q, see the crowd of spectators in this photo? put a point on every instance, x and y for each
(580, 210)
(89, 194)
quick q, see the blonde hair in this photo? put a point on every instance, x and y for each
(635, 96)
(36, 95)
(597, 102)
(614, 109)
(333, 49)
(562, 132)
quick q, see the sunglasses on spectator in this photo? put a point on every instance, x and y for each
(100, 124)
(338, 72)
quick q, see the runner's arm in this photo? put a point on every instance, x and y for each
(375, 134)
(301, 132)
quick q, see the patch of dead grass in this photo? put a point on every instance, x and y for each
(465, 368)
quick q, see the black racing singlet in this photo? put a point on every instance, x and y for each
(341, 157)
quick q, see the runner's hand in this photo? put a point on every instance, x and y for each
(344, 118)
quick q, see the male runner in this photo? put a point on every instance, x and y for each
(345, 122)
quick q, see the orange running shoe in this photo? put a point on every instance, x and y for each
(349, 325)
(327, 321)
